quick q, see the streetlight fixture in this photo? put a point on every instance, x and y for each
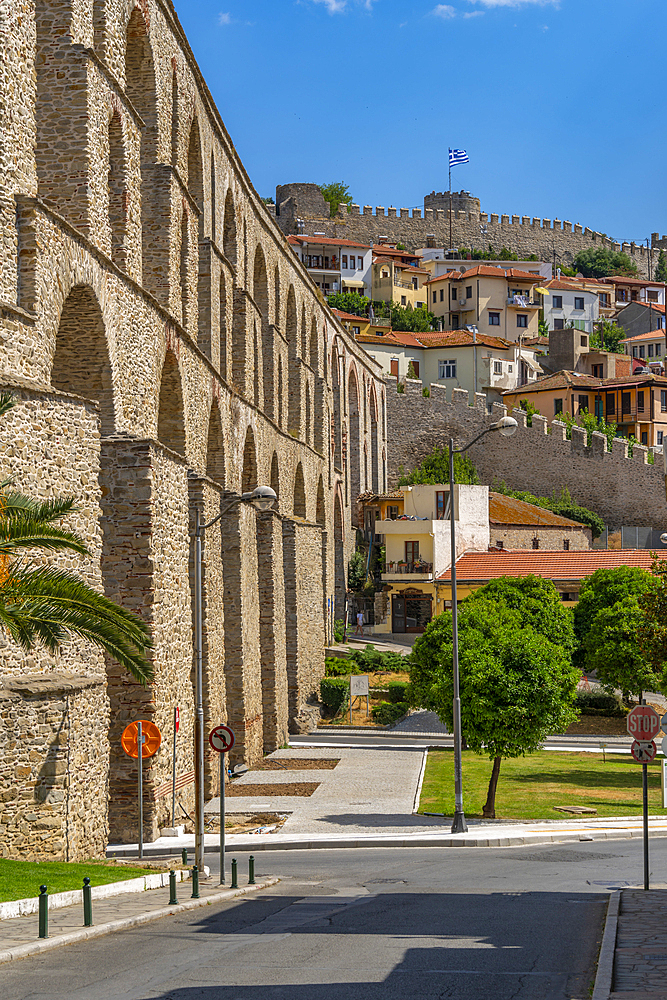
(507, 426)
(262, 498)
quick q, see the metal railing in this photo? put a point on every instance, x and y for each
(413, 567)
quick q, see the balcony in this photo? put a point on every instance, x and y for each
(406, 572)
(405, 284)
(522, 302)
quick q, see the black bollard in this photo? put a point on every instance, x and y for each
(173, 901)
(195, 882)
(184, 855)
(235, 869)
(43, 912)
(251, 870)
(87, 903)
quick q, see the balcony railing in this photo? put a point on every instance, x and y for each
(413, 567)
(405, 284)
(522, 302)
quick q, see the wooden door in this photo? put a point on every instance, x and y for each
(398, 614)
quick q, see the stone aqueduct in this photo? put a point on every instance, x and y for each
(166, 348)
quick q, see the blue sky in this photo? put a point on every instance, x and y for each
(559, 103)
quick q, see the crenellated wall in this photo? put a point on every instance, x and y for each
(539, 459)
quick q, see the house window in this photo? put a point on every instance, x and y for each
(578, 302)
(584, 340)
(393, 367)
(634, 352)
(384, 274)
(663, 400)
(497, 367)
(440, 504)
(642, 351)
(604, 300)
(435, 299)
(455, 293)
(650, 350)
(468, 291)
(442, 294)
(558, 406)
(583, 403)
(640, 401)
(344, 258)
(658, 350)
(652, 296)
(455, 321)
(621, 295)
(412, 552)
(644, 437)
(356, 330)
(536, 543)
(598, 371)
(403, 300)
(660, 433)
(611, 403)
(494, 319)
(626, 406)
(415, 365)
(522, 320)
(559, 324)
(557, 302)
(499, 545)
(510, 368)
(566, 545)
(360, 262)
(392, 513)
(446, 369)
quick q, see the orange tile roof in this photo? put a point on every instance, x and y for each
(619, 279)
(509, 510)
(643, 336)
(486, 271)
(344, 315)
(567, 286)
(559, 380)
(478, 567)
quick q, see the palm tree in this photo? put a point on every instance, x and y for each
(44, 605)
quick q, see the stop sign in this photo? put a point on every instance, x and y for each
(643, 722)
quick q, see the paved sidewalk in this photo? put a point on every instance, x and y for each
(640, 958)
(19, 936)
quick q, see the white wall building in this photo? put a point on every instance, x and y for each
(335, 265)
(570, 305)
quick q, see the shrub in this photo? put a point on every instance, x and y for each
(334, 692)
(385, 713)
(339, 630)
(335, 666)
(369, 660)
(599, 703)
(398, 692)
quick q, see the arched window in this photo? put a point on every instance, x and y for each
(222, 319)
(185, 270)
(319, 508)
(195, 179)
(171, 421)
(215, 450)
(295, 374)
(117, 187)
(140, 88)
(299, 493)
(312, 353)
(229, 230)
(275, 476)
(354, 444)
(375, 485)
(249, 476)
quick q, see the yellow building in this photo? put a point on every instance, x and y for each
(501, 302)
(395, 281)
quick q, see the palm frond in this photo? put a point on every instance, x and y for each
(7, 401)
(27, 533)
(48, 606)
(17, 505)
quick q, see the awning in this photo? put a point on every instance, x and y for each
(531, 363)
(353, 284)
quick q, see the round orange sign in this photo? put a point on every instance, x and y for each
(150, 735)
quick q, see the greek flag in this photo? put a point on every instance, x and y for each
(457, 156)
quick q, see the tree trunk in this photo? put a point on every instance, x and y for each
(489, 810)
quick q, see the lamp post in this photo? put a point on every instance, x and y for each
(507, 426)
(262, 498)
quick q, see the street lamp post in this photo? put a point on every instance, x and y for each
(507, 426)
(262, 498)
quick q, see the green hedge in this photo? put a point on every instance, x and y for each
(334, 692)
(385, 713)
(369, 659)
(343, 666)
(599, 703)
(398, 692)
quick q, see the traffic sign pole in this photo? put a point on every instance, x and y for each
(173, 773)
(141, 790)
(222, 818)
(645, 803)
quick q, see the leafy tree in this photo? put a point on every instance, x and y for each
(411, 371)
(336, 194)
(401, 246)
(538, 604)
(607, 336)
(435, 469)
(603, 589)
(268, 201)
(652, 632)
(356, 572)
(543, 328)
(405, 318)
(612, 649)
(661, 267)
(563, 505)
(530, 409)
(43, 605)
(517, 686)
(350, 302)
(599, 262)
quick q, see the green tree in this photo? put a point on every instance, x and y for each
(652, 632)
(435, 469)
(336, 194)
(268, 201)
(603, 589)
(43, 605)
(530, 409)
(612, 649)
(401, 246)
(350, 302)
(517, 686)
(356, 572)
(543, 328)
(405, 318)
(599, 262)
(607, 336)
(538, 604)
(411, 371)
(661, 267)
(563, 505)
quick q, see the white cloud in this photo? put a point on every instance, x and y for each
(224, 18)
(444, 11)
(333, 6)
(474, 13)
(517, 3)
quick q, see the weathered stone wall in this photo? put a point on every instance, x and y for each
(53, 766)
(538, 458)
(514, 537)
(303, 616)
(169, 349)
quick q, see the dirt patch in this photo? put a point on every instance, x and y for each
(597, 725)
(296, 764)
(292, 788)
(246, 823)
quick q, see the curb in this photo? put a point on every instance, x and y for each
(88, 933)
(415, 803)
(603, 978)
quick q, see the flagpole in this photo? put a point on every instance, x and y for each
(450, 199)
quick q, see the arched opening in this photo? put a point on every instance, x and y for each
(222, 320)
(260, 283)
(215, 449)
(260, 293)
(384, 470)
(276, 296)
(337, 429)
(81, 361)
(339, 558)
(195, 180)
(308, 414)
(249, 476)
(229, 230)
(175, 109)
(304, 334)
(275, 476)
(294, 368)
(117, 189)
(366, 483)
(257, 366)
(312, 353)
(171, 421)
(140, 87)
(319, 507)
(185, 270)
(375, 478)
(280, 393)
(299, 493)
(214, 219)
(354, 445)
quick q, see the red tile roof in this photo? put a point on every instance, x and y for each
(486, 271)
(652, 335)
(478, 567)
(509, 510)
(619, 279)
(350, 316)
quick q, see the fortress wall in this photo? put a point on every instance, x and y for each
(619, 489)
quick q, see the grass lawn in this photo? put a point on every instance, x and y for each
(22, 879)
(529, 787)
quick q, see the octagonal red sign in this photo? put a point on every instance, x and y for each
(643, 722)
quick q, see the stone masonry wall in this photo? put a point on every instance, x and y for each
(619, 489)
(514, 537)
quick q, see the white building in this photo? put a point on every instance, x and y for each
(570, 305)
(335, 265)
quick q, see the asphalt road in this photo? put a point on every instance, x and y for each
(426, 924)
